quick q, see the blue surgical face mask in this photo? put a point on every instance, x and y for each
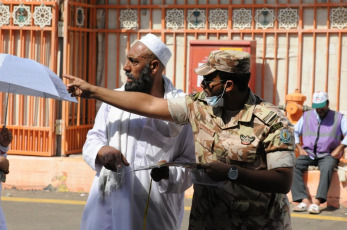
(216, 101)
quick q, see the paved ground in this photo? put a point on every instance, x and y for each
(42, 210)
(45, 210)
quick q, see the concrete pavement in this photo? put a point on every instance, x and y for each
(42, 210)
(49, 210)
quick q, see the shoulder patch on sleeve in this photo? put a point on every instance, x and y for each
(285, 136)
(276, 126)
(264, 114)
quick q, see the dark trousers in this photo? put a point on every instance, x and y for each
(326, 167)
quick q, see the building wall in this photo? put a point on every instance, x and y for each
(308, 55)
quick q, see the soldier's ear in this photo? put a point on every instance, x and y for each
(229, 85)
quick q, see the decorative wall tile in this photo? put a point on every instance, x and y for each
(21, 15)
(218, 19)
(128, 19)
(42, 15)
(288, 18)
(264, 18)
(5, 15)
(79, 16)
(338, 18)
(196, 19)
(174, 19)
(242, 19)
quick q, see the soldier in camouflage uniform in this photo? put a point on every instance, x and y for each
(239, 139)
(247, 133)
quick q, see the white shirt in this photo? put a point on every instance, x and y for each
(148, 141)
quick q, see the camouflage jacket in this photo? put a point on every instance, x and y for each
(259, 137)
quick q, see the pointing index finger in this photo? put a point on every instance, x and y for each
(69, 77)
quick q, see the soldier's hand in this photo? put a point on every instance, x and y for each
(218, 171)
(158, 174)
(5, 137)
(111, 158)
(78, 87)
(4, 165)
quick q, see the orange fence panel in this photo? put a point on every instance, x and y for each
(29, 30)
(79, 60)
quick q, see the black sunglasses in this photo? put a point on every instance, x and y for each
(207, 83)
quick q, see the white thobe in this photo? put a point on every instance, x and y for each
(147, 142)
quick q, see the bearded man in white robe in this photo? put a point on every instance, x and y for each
(121, 142)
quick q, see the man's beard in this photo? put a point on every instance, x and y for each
(143, 84)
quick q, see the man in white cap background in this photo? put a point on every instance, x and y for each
(118, 196)
(240, 140)
(321, 130)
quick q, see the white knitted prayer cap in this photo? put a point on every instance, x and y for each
(157, 47)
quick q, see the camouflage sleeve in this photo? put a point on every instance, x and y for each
(280, 159)
(178, 110)
(279, 144)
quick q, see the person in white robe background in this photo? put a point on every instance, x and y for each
(117, 201)
(5, 140)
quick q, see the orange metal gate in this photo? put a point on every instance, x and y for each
(79, 60)
(30, 30)
(32, 120)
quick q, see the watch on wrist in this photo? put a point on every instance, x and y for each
(233, 173)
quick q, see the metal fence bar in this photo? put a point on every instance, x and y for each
(338, 82)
